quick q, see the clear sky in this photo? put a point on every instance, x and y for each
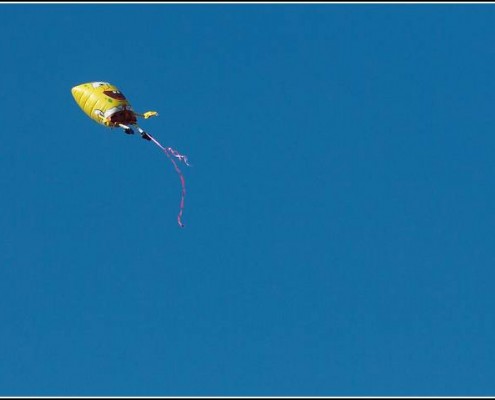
(340, 227)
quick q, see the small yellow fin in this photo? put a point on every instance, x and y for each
(149, 114)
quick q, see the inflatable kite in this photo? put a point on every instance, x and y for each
(108, 106)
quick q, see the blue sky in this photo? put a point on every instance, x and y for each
(339, 211)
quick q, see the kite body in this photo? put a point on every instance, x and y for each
(105, 104)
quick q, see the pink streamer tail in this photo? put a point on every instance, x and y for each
(170, 152)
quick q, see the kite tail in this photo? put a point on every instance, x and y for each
(173, 153)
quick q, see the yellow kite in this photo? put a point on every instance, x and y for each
(107, 105)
